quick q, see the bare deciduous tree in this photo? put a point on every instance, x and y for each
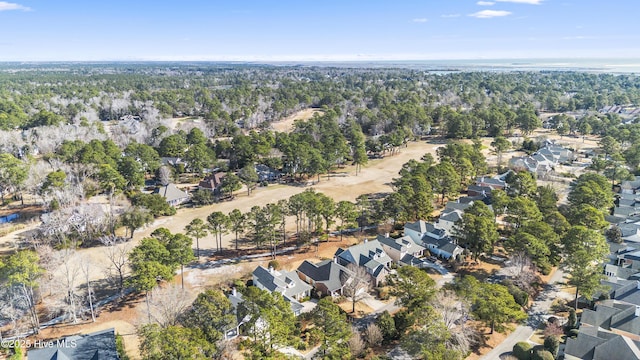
(357, 283)
(373, 335)
(356, 343)
(62, 285)
(164, 175)
(450, 307)
(453, 312)
(90, 296)
(117, 252)
(167, 304)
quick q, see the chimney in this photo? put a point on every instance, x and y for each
(637, 310)
(234, 292)
(271, 271)
(366, 240)
(386, 235)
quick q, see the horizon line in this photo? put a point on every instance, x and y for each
(315, 60)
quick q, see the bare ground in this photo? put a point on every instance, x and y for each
(286, 125)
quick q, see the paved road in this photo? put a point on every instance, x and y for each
(539, 308)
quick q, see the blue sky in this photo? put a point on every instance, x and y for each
(42, 30)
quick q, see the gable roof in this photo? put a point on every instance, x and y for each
(171, 193)
(594, 344)
(99, 345)
(368, 254)
(329, 273)
(285, 282)
(212, 181)
(454, 205)
(494, 183)
(451, 216)
(401, 244)
(419, 226)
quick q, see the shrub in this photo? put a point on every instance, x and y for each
(573, 333)
(383, 293)
(402, 321)
(522, 350)
(314, 336)
(387, 326)
(274, 264)
(542, 355)
(572, 321)
(521, 297)
(552, 344)
(155, 203)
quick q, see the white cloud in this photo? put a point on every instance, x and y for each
(419, 20)
(6, 6)
(532, 2)
(447, 16)
(486, 14)
(485, 3)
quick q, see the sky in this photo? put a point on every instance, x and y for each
(307, 30)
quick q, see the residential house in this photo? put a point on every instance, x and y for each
(266, 173)
(287, 283)
(172, 161)
(630, 232)
(370, 255)
(447, 220)
(172, 194)
(403, 250)
(477, 190)
(526, 163)
(445, 248)
(495, 183)
(597, 344)
(99, 345)
(327, 277)
(236, 299)
(544, 160)
(420, 229)
(433, 239)
(212, 182)
(612, 330)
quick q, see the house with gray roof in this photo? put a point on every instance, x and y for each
(526, 163)
(99, 345)
(369, 255)
(420, 229)
(433, 239)
(287, 283)
(495, 183)
(172, 194)
(597, 344)
(447, 220)
(327, 277)
(402, 250)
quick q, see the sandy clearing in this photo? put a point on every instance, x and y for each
(286, 124)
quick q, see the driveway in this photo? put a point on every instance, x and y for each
(538, 310)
